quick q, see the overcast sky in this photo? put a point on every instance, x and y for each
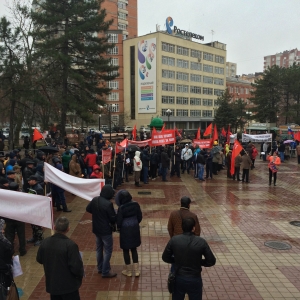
(251, 29)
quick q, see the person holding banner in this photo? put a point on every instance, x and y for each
(274, 162)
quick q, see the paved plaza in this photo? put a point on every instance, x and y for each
(236, 220)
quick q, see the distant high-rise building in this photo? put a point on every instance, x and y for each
(230, 69)
(283, 59)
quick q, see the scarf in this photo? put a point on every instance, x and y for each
(2, 237)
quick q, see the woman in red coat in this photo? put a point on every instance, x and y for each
(274, 162)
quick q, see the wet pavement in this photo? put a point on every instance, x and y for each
(236, 219)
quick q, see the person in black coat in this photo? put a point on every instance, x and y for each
(104, 219)
(145, 161)
(165, 164)
(129, 216)
(6, 252)
(154, 160)
(176, 160)
(62, 263)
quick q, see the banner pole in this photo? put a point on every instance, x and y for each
(114, 166)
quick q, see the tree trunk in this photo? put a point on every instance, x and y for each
(11, 120)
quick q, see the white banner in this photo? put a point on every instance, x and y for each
(147, 76)
(257, 137)
(28, 208)
(81, 187)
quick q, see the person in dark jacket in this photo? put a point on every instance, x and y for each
(28, 171)
(186, 251)
(154, 160)
(176, 160)
(128, 218)
(209, 164)
(6, 252)
(165, 164)
(104, 219)
(62, 263)
(145, 161)
(200, 161)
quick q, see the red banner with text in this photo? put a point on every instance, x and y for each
(203, 143)
(106, 156)
(163, 138)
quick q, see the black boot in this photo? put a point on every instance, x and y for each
(65, 209)
(58, 208)
(137, 184)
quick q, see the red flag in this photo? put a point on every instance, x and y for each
(228, 135)
(154, 130)
(134, 133)
(237, 148)
(124, 143)
(297, 136)
(121, 146)
(177, 132)
(198, 134)
(223, 132)
(164, 126)
(36, 135)
(106, 156)
(215, 136)
(208, 130)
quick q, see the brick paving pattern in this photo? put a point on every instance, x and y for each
(236, 219)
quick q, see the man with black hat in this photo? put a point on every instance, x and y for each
(28, 171)
(37, 231)
(104, 219)
(11, 176)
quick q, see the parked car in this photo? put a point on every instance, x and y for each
(128, 128)
(23, 134)
(144, 129)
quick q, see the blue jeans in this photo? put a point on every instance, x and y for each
(145, 174)
(186, 165)
(200, 171)
(187, 285)
(104, 243)
(281, 156)
(164, 173)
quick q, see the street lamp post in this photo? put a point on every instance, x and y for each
(168, 113)
(99, 118)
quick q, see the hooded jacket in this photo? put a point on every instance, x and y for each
(94, 174)
(103, 213)
(137, 163)
(74, 167)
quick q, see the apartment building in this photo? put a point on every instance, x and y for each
(167, 74)
(283, 59)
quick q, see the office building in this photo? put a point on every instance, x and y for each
(169, 71)
(283, 59)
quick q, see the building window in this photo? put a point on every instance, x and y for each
(195, 113)
(122, 5)
(182, 100)
(122, 16)
(168, 47)
(113, 73)
(112, 38)
(113, 85)
(164, 112)
(181, 63)
(195, 53)
(207, 113)
(195, 78)
(246, 91)
(115, 119)
(237, 90)
(242, 90)
(207, 102)
(182, 76)
(168, 74)
(170, 61)
(182, 113)
(195, 89)
(114, 96)
(231, 89)
(219, 70)
(196, 66)
(114, 61)
(113, 107)
(182, 51)
(124, 37)
(219, 59)
(122, 26)
(216, 103)
(167, 99)
(181, 88)
(218, 81)
(208, 56)
(218, 92)
(208, 68)
(113, 51)
(168, 87)
(195, 101)
(207, 79)
(207, 91)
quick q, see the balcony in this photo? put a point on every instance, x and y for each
(124, 11)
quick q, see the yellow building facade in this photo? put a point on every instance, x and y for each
(174, 78)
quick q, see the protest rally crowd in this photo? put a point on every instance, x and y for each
(116, 163)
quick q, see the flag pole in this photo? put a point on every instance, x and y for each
(114, 167)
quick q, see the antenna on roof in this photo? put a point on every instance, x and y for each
(212, 35)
